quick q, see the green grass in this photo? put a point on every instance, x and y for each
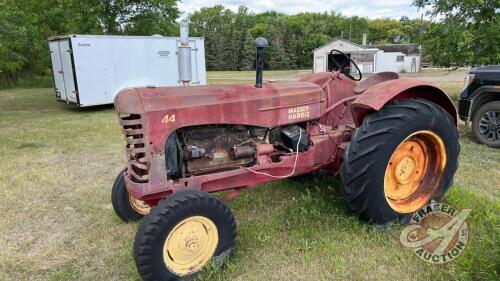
(57, 223)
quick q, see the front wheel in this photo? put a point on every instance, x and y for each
(486, 124)
(401, 158)
(182, 234)
(126, 206)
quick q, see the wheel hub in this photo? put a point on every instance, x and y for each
(413, 171)
(405, 169)
(190, 245)
(489, 125)
(139, 206)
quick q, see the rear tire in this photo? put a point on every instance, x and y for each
(402, 157)
(481, 122)
(126, 207)
(182, 234)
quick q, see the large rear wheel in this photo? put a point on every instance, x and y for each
(401, 158)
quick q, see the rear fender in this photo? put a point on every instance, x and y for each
(379, 95)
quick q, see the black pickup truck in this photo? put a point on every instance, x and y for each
(480, 104)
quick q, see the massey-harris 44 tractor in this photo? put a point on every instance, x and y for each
(392, 141)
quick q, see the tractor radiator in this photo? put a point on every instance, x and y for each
(136, 148)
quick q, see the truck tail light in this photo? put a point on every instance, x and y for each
(136, 148)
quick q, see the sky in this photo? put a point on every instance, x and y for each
(367, 8)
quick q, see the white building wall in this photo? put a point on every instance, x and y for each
(321, 54)
(411, 66)
(382, 62)
(319, 63)
(388, 62)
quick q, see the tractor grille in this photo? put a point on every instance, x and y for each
(136, 147)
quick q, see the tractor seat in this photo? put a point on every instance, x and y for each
(374, 80)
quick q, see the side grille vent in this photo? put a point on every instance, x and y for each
(136, 147)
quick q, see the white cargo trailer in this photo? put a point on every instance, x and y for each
(91, 69)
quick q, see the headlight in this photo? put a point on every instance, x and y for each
(469, 78)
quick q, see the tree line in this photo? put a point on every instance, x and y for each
(463, 32)
(229, 35)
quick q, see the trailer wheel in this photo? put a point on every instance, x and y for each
(401, 158)
(126, 207)
(182, 234)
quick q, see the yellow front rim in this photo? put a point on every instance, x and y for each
(414, 171)
(190, 245)
(139, 206)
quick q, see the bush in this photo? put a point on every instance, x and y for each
(27, 82)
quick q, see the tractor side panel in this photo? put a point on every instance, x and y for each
(337, 87)
(379, 95)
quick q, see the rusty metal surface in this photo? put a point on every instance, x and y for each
(136, 147)
(377, 96)
(214, 146)
(323, 146)
(161, 111)
(374, 80)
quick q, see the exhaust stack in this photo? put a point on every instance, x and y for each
(260, 43)
(184, 55)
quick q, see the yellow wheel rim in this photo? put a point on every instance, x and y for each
(139, 206)
(190, 245)
(414, 171)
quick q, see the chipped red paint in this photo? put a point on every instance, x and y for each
(378, 95)
(324, 103)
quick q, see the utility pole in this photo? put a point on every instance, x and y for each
(350, 29)
(421, 28)
(342, 35)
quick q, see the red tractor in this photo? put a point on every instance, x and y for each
(392, 141)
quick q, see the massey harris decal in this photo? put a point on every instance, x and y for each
(299, 112)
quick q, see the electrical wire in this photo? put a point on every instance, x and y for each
(294, 164)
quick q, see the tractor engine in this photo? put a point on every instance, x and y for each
(200, 150)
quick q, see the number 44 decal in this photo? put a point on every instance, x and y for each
(168, 118)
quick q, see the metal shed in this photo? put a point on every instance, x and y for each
(369, 58)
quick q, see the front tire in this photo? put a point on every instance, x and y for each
(182, 234)
(401, 158)
(486, 124)
(126, 207)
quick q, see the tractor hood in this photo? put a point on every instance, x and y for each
(272, 105)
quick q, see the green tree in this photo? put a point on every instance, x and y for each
(25, 26)
(248, 53)
(384, 31)
(466, 32)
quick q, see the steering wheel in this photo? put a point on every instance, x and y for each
(342, 67)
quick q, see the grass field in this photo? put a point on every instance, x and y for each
(57, 221)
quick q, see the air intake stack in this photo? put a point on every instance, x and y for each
(260, 43)
(184, 55)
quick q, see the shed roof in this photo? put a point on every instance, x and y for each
(407, 49)
(334, 40)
